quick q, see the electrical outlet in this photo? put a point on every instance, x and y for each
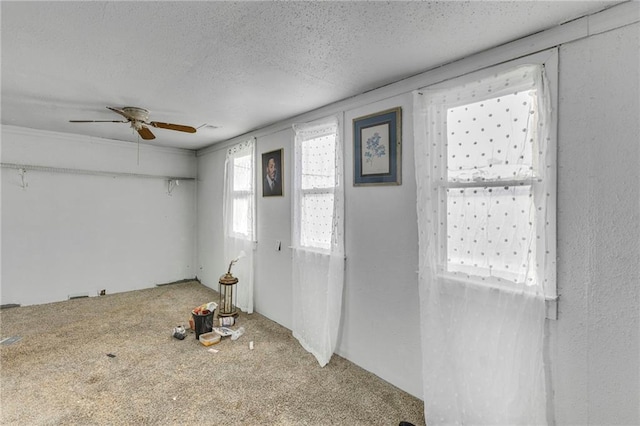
(278, 245)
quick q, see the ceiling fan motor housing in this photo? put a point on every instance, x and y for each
(138, 114)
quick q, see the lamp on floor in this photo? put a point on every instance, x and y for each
(227, 290)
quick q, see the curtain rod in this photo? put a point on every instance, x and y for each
(87, 172)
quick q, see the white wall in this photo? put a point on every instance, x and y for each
(71, 234)
(594, 344)
(210, 252)
(272, 291)
(381, 310)
(597, 347)
(273, 268)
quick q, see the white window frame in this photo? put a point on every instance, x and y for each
(547, 242)
(246, 194)
(304, 193)
(448, 184)
(301, 192)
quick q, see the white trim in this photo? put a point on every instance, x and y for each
(614, 17)
(548, 58)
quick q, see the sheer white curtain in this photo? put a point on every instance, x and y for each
(318, 237)
(239, 218)
(485, 171)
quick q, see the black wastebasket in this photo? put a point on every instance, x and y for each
(203, 323)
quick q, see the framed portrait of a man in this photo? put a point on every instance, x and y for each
(272, 173)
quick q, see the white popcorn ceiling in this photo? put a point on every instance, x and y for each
(236, 66)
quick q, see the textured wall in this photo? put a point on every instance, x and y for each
(210, 252)
(596, 338)
(594, 344)
(380, 323)
(272, 290)
(70, 234)
(381, 320)
(273, 278)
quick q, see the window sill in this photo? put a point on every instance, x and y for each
(500, 285)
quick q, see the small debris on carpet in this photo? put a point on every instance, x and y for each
(9, 340)
(179, 332)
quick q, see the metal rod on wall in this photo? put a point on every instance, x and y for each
(22, 168)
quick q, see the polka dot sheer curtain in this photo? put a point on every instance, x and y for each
(318, 236)
(485, 171)
(239, 218)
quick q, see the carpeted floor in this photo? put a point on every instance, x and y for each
(60, 371)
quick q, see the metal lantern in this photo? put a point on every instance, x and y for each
(227, 290)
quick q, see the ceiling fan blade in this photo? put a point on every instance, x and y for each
(170, 126)
(97, 121)
(145, 133)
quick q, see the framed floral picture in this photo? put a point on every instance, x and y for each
(377, 143)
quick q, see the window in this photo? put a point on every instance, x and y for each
(492, 175)
(318, 237)
(239, 217)
(240, 191)
(242, 195)
(316, 185)
(490, 186)
(316, 191)
(485, 185)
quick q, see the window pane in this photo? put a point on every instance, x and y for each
(492, 139)
(241, 216)
(318, 162)
(490, 231)
(242, 173)
(316, 219)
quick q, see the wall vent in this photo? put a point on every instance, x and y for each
(10, 305)
(186, 280)
(78, 296)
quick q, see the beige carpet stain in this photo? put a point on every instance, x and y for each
(59, 372)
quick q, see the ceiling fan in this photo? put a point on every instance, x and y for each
(139, 119)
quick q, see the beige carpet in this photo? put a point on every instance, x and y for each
(59, 371)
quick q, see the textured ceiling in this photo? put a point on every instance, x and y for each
(235, 66)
